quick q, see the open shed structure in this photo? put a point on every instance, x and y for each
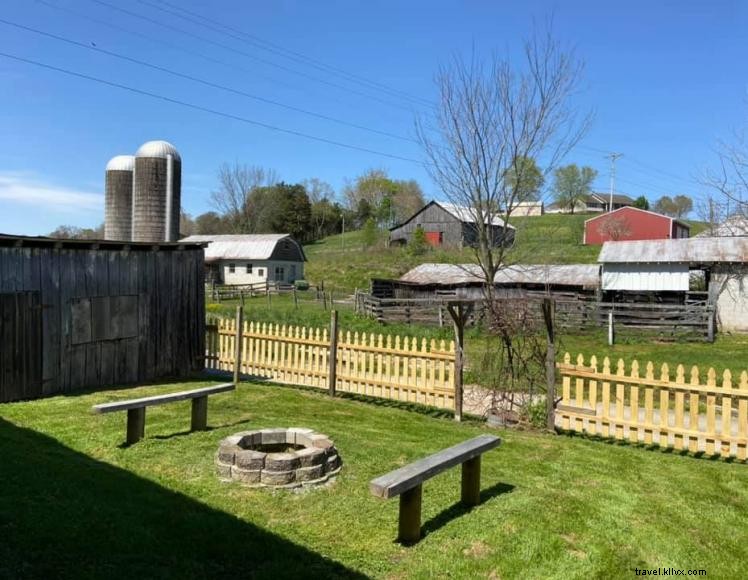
(80, 314)
(659, 267)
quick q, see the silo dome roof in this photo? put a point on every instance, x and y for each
(158, 149)
(121, 163)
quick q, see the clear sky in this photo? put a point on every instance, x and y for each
(667, 80)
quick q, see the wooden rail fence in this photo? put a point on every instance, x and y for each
(390, 367)
(656, 409)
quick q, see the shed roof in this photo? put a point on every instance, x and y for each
(586, 275)
(75, 244)
(686, 250)
(605, 197)
(242, 246)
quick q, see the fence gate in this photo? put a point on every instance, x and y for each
(20, 346)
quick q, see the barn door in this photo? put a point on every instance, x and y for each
(20, 346)
(434, 238)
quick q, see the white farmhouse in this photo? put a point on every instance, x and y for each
(240, 259)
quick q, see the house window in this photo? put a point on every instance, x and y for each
(280, 273)
(232, 268)
(260, 272)
(249, 268)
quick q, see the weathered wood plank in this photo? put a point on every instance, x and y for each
(162, 399)
(413, 474)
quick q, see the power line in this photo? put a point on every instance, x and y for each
(202, 81)
(207, 109)
(254, 40)
(247, 55)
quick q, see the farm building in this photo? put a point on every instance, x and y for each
(244, 259)
(449, 225)
(84, 314)
(735, 225)
(665, 266)
(467, 280)
(528, 209)
(594, 203)
(631, 223)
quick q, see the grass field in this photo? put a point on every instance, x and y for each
(77, 504)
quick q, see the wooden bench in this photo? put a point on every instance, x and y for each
(136, 408)
(407, 481)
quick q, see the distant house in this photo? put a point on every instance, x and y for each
(528, 208)
(252, 258)
(449, 225)
(595, 202)
(735, 225)
(665, 266)
(631, 223)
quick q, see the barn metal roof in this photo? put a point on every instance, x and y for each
(586, 275)
(7, 240)
(688, 250)
(242, 246)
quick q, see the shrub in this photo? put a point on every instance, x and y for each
(301, 285)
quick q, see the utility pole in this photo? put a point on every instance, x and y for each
(613, 157)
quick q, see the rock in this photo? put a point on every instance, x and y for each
(296, 435)
(277, 477)
(281, 462)
(224, 471)
(226, 453)
(310, 473)
(272, 436)
(246, 475)
(250, 439)
(320, 441)
(332, 464)
(310, 456)
(250, 459)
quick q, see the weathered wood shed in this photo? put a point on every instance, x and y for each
(450, 225)
(84, 314)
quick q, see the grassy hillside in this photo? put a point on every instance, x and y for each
(343, 263)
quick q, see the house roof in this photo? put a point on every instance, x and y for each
(686, 250)
(459, 212)
(605, 197)
(242, 246)
(636, 209)
(735, 225)
(586, 275)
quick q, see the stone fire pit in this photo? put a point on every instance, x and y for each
(278, 458)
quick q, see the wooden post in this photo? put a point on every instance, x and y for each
(710, 325)
(458, 314)
(331, 301)
(471, 481)
(238, 344)
(611, 329)
(324, 300)
(441, 316)
(333, 358)
(549, 311)
(135, 425)
(295, 298)
(267, 292)
(200, 414)
(409, 524)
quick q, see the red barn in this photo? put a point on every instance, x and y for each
(630, 223)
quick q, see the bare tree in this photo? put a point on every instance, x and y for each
(235, 183)
(614, 228)
(491, 116)
(730, 179)
(317, 190)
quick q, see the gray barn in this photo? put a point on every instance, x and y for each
(80, 314)
(449, 225)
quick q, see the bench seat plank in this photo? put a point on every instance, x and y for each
(162, 399)
(396, 482)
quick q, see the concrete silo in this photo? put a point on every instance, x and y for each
(157, 185)
(118, 196)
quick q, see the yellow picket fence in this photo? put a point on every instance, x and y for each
(391, 367)
(680, 412)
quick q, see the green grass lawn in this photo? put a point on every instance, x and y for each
(76, 504)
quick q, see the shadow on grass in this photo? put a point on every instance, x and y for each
(66, 515)
(458, 509)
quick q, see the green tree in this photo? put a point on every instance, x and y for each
(526, 179)
(572, 185)
(391, 200)
(370, 233)
(327, 218)
(281, 208)
(641, 202)
(212, 223)
(683, 205)
(666, 206)
(418, 244)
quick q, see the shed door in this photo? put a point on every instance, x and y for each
(434, 238)
(20, 346)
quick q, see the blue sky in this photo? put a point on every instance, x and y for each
(667, 80)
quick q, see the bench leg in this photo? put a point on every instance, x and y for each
(471, 481)
(135, 425)
(409, 526)
(200, 414)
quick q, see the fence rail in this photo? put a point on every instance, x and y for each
(680, 412)
(391, 367)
